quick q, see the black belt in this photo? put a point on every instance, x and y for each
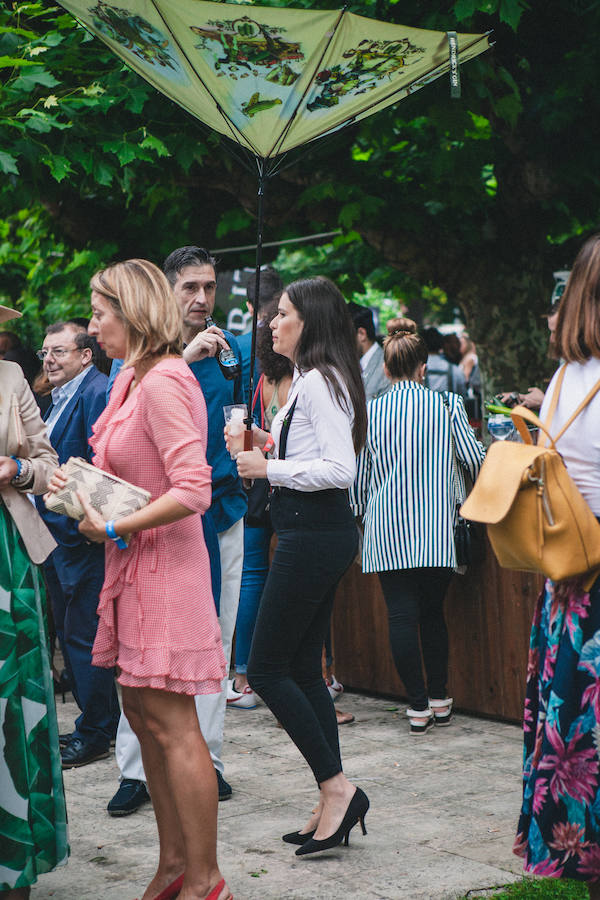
(290, 492)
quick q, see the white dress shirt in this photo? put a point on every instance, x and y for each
(320, 453)
(60, 397)
(364, 360)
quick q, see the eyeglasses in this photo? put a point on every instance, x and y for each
(57, 352)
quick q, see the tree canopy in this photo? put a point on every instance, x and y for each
(481, 197)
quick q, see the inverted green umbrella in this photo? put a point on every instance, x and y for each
(273, 79)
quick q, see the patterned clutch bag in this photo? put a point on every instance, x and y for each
(112, 497)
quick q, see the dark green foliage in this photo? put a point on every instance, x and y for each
(539, 889)
(480, 198)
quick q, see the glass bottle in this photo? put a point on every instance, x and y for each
(228, 362)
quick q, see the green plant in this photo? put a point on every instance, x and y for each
(537, 889)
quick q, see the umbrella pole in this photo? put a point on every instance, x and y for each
(259, 238)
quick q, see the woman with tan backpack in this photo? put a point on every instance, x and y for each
(559, 827)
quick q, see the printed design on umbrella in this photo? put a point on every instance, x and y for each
(368, 65)
(144, 40)
(243, 47)
(255, 104)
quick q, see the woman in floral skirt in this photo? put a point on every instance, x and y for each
(559, 827)
(33, 829)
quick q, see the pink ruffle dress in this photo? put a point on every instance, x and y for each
(157, 616)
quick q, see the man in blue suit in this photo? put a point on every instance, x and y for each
(75, 570)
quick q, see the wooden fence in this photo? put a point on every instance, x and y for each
(488, 611)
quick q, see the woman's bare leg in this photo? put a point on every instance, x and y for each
(172, 722)
(171, 860)
(336, 794)
(240, 681)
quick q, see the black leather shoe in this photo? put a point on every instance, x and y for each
(63, 739)
(131, 795)
(225, 790)
(78, 753)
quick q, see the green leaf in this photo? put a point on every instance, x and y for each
(124, 151)
(153, 143)
(8, 164)
(37, 77)
(136, 99)
(84, 157)
(59, 166)
(317, 192)
(349, 214)
(464, 9)
(80, 259)
(15, 62)
(511, 12)
(9, 29)
(103, 173)
(53, 39)
(508, 108)
(38, 120)
(233, 220)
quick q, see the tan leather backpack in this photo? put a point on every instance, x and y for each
(537, 520)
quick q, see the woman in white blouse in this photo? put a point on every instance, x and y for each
(406, 490)
(315, 438)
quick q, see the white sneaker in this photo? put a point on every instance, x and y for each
(334, 687)
(245, 699)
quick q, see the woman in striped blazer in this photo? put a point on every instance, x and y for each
(405, 489)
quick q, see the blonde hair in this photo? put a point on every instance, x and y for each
(403, 349)
(401, 323)
(141, 296)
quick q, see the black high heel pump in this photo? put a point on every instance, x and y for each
(295, 837)
(356, 812)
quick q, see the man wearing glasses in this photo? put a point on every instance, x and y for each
(75, 570)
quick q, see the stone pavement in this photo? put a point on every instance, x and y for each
(443, 813)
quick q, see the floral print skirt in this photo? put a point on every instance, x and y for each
(559, 827)
(33, 826)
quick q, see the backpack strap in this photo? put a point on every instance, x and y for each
(520, 415)
(553, 404)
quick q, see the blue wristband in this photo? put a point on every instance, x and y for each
(112, 534)
(19, 465)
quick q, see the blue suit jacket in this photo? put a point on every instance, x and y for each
(70, 438)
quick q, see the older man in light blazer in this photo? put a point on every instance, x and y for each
(371, 354)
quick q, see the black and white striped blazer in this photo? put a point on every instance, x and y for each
(405, 487)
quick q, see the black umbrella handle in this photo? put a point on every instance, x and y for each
(259, 239)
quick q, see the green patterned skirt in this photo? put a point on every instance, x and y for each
(33, 827)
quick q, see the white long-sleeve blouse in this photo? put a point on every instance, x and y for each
(320, 453)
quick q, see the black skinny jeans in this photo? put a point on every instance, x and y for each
(415, 602)
(316, 542)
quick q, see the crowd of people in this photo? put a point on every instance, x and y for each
(356, 447)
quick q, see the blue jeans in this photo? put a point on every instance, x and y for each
(254, 575)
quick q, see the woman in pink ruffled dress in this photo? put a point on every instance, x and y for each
(157, 621)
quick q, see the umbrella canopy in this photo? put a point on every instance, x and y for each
(273, 78)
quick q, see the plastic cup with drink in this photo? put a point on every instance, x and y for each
(235, 427)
